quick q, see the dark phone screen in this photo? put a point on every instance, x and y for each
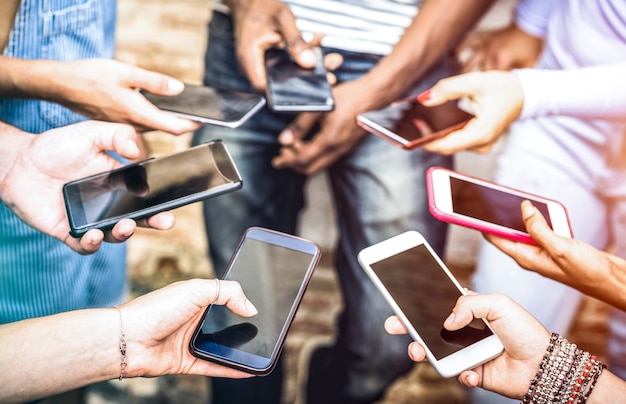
(271, 276)
(291, 85)
(491, 205)
(410, 120)
(207, 102)
(426, 295)
(150, 183)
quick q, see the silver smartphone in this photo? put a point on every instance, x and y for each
(145, 188)
(274, 270)
(210, 105)
(422, 292)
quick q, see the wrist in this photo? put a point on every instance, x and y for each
(567, 374)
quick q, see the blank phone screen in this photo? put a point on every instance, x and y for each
(272, 277)
(203, 169)
(410, 120)
(209, 103)
(491, 205)
(290, 85)
(426, 296)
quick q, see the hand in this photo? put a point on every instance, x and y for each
(566, 260)
(496, 100)
(159, 326)
(263, 24)
(503, 49)
(338, 133)
(107, 90)
(525, 342)
(32, 186)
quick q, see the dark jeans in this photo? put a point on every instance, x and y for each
(379, 191)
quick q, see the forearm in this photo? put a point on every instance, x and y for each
(48, 355)
(41, 79)
(435, 31)
(608, 389)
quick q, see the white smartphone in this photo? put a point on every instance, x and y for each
(291, 88)
(486, 206)
(210, 105)
(422, 291)
(274, 270)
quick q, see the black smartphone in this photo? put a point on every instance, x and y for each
(291, 88)
(145, 188)
(210, 105)
(274, 270)
(409, 124)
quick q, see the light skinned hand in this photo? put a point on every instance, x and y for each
(503, 49)
(32, 187)
(496, 99)
(159, 326)
(567, 260)
(525, 342)
(108, 90)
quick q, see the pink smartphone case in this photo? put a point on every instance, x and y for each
(483, 227)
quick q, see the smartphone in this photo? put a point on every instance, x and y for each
(210, 105)
(145, 188)
(274, 270)
(422, 292)
(291, 88)
(486, 206)
(409, 124)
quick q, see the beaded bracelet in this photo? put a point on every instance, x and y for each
(122, 345)
(566, 374)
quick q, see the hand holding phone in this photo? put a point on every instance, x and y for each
(483, 205)
(409, 124)
(210, 105)
(422, 292)
(291, 88)
(155, 185)
(274, 270)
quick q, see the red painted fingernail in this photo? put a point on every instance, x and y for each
(425, 96)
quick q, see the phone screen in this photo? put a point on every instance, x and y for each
(409, 121)
(203, 170)
(426, 295)
(491, 205)
(210, 105)
(274, 277)
(293, 88)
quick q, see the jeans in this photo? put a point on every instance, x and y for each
(378, 190)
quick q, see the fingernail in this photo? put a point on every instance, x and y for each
(250, 308)
(425, 96)
(132, 149)
(175, 86)
(528, 210)
(307, 56)
(450, 318)
(286, 137)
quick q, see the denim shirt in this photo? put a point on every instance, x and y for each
(39, 275)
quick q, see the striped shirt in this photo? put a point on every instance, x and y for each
(366, 26)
